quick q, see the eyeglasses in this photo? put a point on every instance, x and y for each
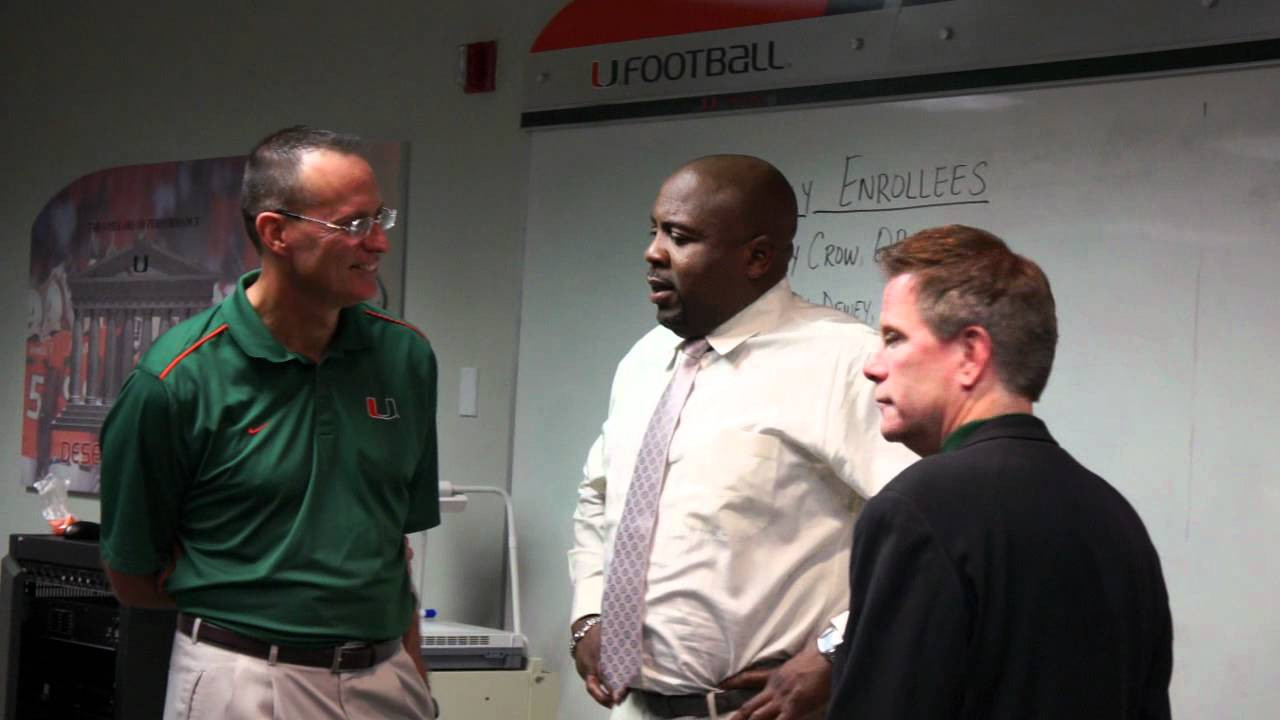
(360, 227)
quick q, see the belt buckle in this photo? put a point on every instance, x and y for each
(344, 651)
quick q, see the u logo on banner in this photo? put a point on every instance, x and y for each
(390, 413)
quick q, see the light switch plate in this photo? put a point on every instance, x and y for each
(467, 392)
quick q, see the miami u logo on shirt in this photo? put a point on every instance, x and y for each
(371, 404)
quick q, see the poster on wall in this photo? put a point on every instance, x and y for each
(118, 257)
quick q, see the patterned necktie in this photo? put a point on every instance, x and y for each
(622, 608)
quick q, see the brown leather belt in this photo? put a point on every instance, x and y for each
(337, 658)
(677, 706)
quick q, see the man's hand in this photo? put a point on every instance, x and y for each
(586, 656)
(175, 552)
(795, 690)
(412, 638)
(412, 642)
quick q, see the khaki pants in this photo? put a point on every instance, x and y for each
(208, 682)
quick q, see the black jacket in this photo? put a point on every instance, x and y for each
(1003, 580)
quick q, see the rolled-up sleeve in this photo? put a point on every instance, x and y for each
(586, 558)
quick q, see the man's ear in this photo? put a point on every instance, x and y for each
(977, 360)
(761, 255)
(270, 227)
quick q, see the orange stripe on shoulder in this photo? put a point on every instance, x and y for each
(174, 363)
(397, 321)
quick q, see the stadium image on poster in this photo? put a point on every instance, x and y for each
(118, 257)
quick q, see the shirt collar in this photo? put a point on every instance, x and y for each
(961, 435)
(352, 332)
(751, 320)
(253, 337)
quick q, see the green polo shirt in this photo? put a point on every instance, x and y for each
(288, 484)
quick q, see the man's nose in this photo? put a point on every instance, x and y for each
(874, 369)
(656, 253)
(376, 241)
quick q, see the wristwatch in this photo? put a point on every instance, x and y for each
(576, 637)
(830, 639)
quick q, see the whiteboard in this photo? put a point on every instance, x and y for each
(1152, 204)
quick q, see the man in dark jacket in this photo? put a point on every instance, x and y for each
(997, 577)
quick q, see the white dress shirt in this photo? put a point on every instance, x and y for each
(776, 450)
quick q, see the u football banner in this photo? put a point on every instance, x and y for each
(598, 53)
(603, 60)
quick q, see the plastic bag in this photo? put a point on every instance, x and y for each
(53, 502)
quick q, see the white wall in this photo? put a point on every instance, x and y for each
(94, 85)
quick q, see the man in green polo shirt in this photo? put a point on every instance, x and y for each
(266, 458)
(996, 578)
